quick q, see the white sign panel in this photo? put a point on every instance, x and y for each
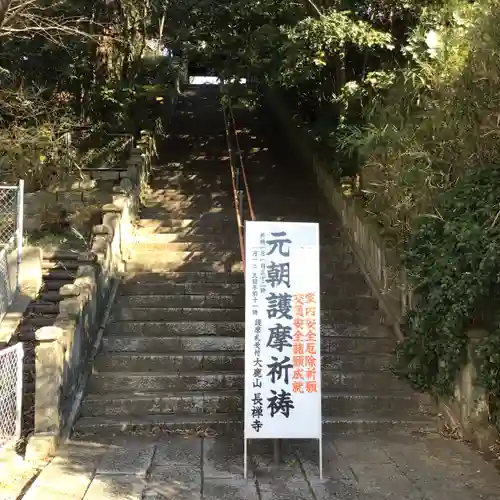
(282, 331)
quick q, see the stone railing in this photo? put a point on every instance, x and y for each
(467, 409)
(64, 350)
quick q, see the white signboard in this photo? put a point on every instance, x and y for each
(282, 331)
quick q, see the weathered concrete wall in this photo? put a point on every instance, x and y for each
(30, 281)
(467, 409)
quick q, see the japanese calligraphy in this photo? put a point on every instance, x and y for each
(280, 243)
(304, 343)
(278, 274)
(278, 369)
(282, 351)
(280, 403)
(279, 337)
(279, 305)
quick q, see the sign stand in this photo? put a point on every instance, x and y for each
(276, 453)
(320, 450)
(282, 335)
(245, 457)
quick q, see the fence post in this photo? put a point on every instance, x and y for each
(20, 230)
(19, 389)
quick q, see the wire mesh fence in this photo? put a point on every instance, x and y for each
(8, 213)
(11, 379)
(11, 241)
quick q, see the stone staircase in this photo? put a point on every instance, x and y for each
(173, 352)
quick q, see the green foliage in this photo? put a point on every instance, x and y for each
(64, 66)
(436, 122)
(452, 262)
(310, 45)
(432, 159)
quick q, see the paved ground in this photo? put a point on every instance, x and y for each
(356, 467)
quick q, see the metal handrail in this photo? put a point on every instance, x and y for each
(242, 166)
(235, 178)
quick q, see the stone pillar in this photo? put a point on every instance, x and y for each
(474, 407)
(48, 390)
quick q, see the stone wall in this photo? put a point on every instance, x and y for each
(467, 409)
(71, 196)
(64, 350)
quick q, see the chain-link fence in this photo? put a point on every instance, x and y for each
(11, 380)
(11, 242)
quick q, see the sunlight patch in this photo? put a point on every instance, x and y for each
(211, 80)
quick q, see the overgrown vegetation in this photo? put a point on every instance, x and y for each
(68, 83)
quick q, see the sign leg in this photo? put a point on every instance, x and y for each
(245, 457)
(320, 441)
(276, 451)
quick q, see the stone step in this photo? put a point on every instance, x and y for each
(56, 254)
(151, 260)
(181, 361)
(180, 199)
(222, 361)
(43, 308)
(192, 227)
(228, 328)
(227, 314)
(343, 405)
(220, 181)
(332, 381)
(202, 220)
(230, 402)
(277, 209)
(159, 242)
(172, 344)
(155, 256)
(189, 277)
(204, 256)
(164, 344)
(171, 212)
(135, 289)
(69, 265)
(336, 253)
(167, 234)
(34, 320)
(328, 302)
(168, 382)
(334, 286)
(55, 285)
(177, 314)
(159, 195)
(174, 328)
(184, 277)
(209, 225)
(223, 423)
(59, 274)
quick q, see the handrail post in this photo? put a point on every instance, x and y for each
(242, 208)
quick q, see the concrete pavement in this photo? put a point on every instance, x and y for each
(378, 466)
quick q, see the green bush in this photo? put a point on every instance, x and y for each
(452, 262)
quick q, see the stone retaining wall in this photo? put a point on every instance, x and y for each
(467, 409)
(64, 349)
